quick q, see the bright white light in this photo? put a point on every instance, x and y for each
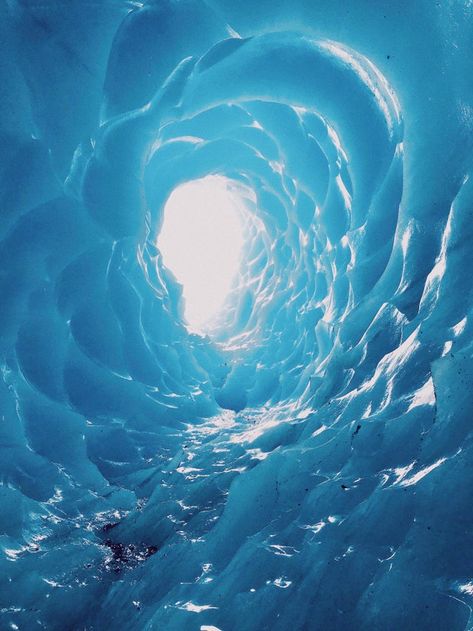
(200, 240)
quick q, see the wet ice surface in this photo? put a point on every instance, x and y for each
(308, 464)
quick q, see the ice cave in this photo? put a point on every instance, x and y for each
(236, 329)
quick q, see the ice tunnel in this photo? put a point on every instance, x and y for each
(235, 327)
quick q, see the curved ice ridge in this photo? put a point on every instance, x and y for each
(306, 465)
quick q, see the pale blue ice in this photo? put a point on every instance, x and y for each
(236, 330)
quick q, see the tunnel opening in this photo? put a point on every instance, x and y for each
(201, 241)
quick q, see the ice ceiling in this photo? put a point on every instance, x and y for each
(308, 464)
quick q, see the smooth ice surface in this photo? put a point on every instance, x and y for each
(201, 240)
(308, 464)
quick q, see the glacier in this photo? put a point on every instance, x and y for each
(304, 462)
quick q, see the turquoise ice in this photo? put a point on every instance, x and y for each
(291, 449)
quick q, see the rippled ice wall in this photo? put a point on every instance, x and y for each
(308, 465)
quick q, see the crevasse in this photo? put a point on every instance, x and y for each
(305, 463)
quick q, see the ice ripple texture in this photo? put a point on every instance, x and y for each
(308, 465)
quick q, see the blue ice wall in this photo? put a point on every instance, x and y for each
(309, 464)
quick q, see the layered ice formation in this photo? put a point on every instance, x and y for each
(304, 459)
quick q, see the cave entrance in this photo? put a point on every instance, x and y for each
(201, 240)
